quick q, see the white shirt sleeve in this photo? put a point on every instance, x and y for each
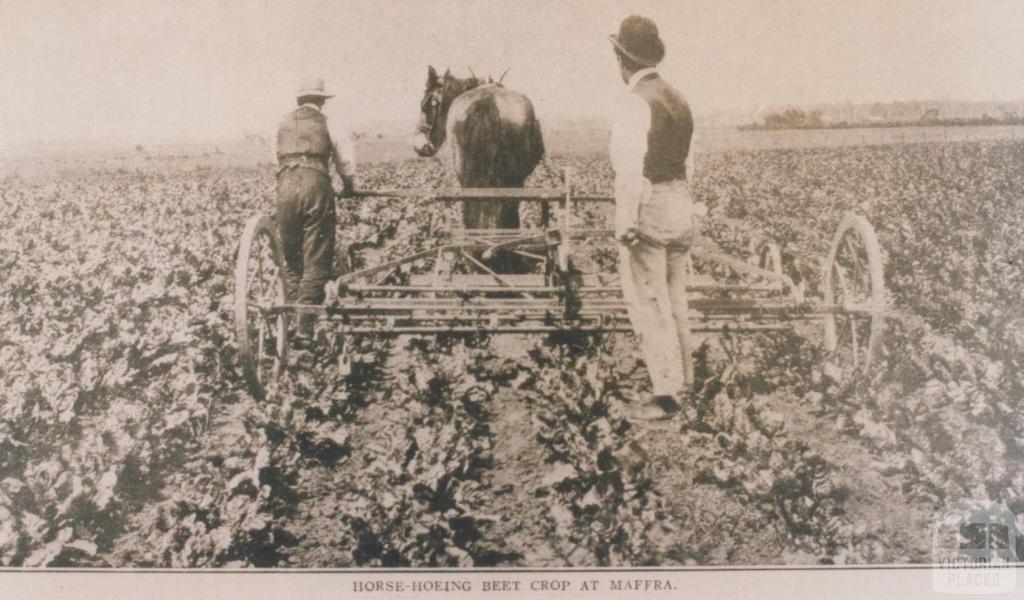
(344, 153)
(691, 160)
(698, 208)
(273, 145)
(631, 124)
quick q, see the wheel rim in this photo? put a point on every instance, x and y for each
(259, 289)
(853, 283)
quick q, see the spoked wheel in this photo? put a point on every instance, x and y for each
(853, 281)
(259, 287)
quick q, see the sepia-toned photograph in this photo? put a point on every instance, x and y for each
(540, 285)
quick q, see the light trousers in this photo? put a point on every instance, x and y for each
(654, 272)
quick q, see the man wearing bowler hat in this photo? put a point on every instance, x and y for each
(651, 133)
(306, 145)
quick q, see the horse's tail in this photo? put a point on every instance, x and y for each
(478, 136)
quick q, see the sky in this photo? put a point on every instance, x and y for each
(79, 70)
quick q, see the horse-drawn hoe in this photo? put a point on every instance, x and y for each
(450, 289)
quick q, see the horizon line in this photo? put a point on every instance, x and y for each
(372, 126)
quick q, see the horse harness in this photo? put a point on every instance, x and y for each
(436, 99)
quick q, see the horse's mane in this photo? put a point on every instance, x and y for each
(473, 77)
(455, 86)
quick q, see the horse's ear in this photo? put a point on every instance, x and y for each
(431, 75)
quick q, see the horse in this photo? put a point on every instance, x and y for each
(495, 138)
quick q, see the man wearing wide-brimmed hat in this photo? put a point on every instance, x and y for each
(651, 134)
(306, 145)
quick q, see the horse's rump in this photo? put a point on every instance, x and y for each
(492, 149)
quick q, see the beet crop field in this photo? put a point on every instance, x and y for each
(127, 436)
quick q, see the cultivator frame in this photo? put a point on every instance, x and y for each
(450, 289)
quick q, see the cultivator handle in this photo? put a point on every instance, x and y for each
(464, 194)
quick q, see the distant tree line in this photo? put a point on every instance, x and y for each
(793, 118)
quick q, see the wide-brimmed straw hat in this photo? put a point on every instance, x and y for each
(313, 87)
(638, 39)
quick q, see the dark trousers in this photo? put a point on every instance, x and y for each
(306, 221)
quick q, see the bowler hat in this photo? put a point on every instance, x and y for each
(313, 87)
(638, 39)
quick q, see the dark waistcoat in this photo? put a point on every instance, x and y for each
(668, 140)
(303, 132)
